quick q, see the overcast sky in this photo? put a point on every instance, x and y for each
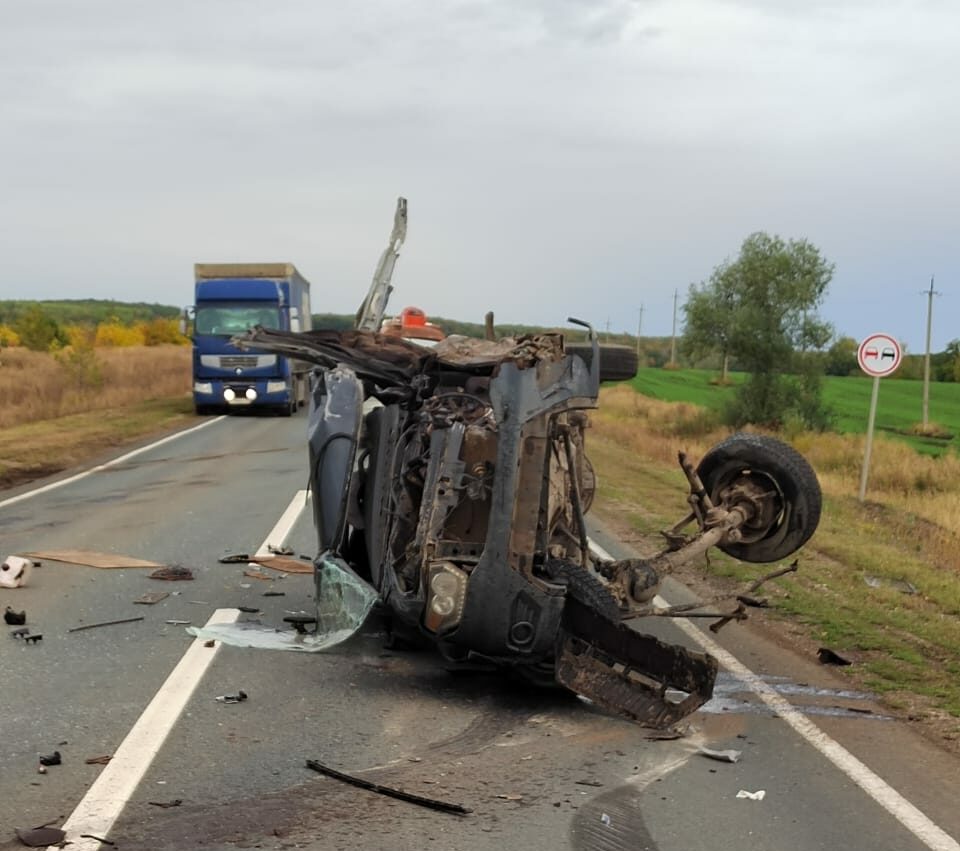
(560, 157)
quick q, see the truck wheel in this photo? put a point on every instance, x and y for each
(791, 501)
(617, 363)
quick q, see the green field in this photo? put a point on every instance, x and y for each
(899, 405)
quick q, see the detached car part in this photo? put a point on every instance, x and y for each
(455, 481)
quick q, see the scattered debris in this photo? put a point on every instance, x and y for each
(900, 585)
(20, 633)
(431, 803)
(258, 574)
(274, 593)
(40, 837)
(756, 602)
(284, 564)
(729, 755)
(176, 802)
(596, 783)
(98, 838)
(235, 558)
(280, 551)
(104, 623)
(179, 623)
(14, 618)
(151, 597)
(248, 610)
(830, 657)
(753, 796)
(668, 735)
(87, 558)
(210, 643)
(15, 571)
(239, 697)
(510, 797)
(740, 614)
(51, 759)
(301, 622)
(33, 639)
(98, 760)
(173, 573)
(605, 819)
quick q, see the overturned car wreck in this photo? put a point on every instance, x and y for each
(454, 480)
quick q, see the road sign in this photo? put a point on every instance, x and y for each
(879, 355)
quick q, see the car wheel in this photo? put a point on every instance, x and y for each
(791, 500)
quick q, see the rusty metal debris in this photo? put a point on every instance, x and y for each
(173, 573)
(98, 760)
(104, 623)
(399, 794)
(14, 618)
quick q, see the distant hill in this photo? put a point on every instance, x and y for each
(89, 311)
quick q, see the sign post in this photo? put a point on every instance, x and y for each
(879, 355)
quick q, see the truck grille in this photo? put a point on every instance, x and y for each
(238, 361)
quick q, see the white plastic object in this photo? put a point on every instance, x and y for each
(15, 571)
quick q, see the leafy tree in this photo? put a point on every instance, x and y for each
(39, 331)
(760, 309)
(841, 357)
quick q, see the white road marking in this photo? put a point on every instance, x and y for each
(78, 476)
(885, 795)
(113, 788)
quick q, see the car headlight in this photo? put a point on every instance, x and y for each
(447, 592)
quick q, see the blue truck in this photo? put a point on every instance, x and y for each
(229, 299)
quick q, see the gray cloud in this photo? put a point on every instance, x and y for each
(560, 156)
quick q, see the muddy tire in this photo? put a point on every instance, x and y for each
(617, 363)
(778, 468)
(584, 585)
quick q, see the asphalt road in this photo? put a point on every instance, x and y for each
(538, 768)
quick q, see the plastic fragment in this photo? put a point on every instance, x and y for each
(605, 819)
(15, 571)
(51, 759)
(753, 796)
(239, 697)
(729, 755)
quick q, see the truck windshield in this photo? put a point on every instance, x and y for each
(229, 319)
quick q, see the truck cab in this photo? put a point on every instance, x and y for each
(229, 299)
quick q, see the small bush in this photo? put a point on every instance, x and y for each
(158, 332)
(113, 334)
(8, 337)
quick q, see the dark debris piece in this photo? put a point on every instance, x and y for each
(40, 837)
(829, 657)
(399, 794)
(14, 618)
(250, 610)
(176, 802)
(33, 639)
(173, 573)
(235, 558)
(51, 759)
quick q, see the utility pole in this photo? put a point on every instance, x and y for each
(926, 360)
(639, 326)
(607, 326)
(673, 340)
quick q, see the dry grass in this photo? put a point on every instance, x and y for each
(37, 386)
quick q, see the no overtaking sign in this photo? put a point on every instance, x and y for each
(879, 355)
